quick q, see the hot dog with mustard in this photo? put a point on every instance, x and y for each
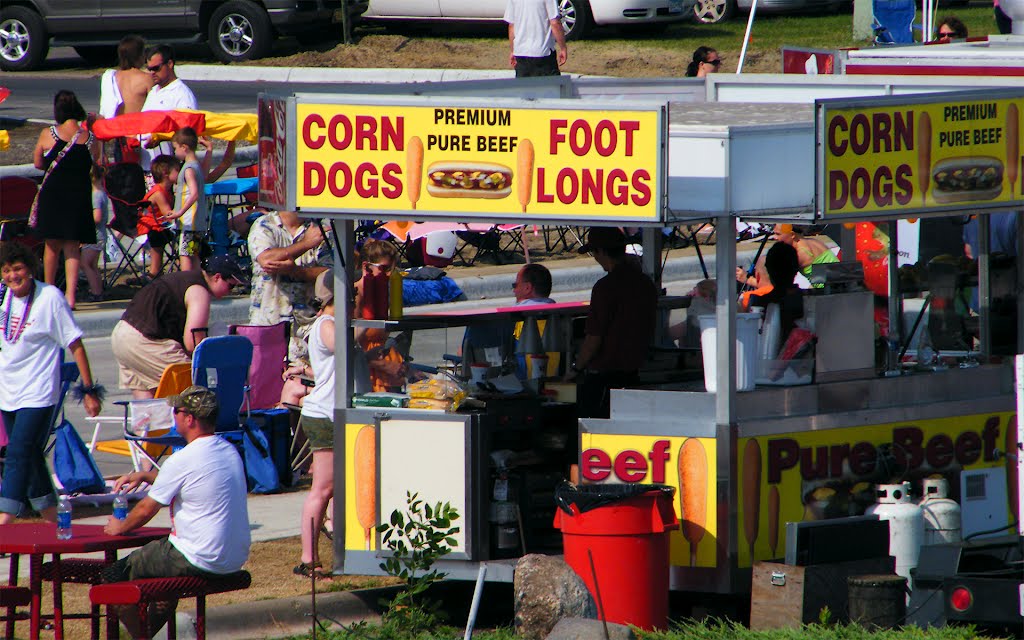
(469, 180)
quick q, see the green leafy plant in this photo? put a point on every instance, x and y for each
(416, 538)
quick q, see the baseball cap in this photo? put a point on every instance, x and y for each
(323, 288)
(226, 267)
(197, 400)
(603, 238)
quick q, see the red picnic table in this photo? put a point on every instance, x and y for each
(37, 539)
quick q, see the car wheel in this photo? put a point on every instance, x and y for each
(576, 19)
(100, 56)
(24, 42)
(240, 31)
(714, 11)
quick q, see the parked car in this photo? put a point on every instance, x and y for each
(713, 11)
(578, 16)
(234, 29)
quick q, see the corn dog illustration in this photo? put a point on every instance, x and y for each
(364, 457)
(751, 493)
(693, 490)
(524, 171)
(1012, 145)
(414, 168)
(924, 155)
(773, 519)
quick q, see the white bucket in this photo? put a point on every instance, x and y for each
(747, 325)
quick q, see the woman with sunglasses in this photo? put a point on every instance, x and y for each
(705, 60)
(387, 367)
(951, 28)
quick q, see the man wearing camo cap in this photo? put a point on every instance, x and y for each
(204, 484)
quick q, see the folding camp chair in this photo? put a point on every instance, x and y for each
(288, 443)
(175, 379)
(220, 364)
(16, 197)
(126, 187)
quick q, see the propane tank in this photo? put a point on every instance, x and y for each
(941, 514)
(906, 525)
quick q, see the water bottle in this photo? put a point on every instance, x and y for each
(120, 507)
(64, 518)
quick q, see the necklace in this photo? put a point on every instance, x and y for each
(12, 335)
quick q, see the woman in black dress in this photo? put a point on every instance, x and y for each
(63, 216)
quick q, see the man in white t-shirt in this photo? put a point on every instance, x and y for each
(204, 485)
(168, 93)
(534, 30)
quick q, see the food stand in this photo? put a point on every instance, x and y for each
(743, 464)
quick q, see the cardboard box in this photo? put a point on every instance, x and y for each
(785, 595)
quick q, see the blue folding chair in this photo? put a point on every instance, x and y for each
(221, 364)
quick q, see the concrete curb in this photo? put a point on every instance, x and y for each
(320, 75)
(287, 617)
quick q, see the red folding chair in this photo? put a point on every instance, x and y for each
(16, 197)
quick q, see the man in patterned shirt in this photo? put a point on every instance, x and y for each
(288, 253)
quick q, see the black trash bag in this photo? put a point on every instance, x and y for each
(587, 497)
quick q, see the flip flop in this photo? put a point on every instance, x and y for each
(310, 571)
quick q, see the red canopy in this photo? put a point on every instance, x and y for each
(131, 124)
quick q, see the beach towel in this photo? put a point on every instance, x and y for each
(110, 95)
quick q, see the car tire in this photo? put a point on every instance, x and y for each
(576, 18)
(98, 55)
(240, 31)
(24, 42)
(714, 11)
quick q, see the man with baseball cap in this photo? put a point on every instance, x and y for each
(619, 327)
(165, 321)
(204, 485)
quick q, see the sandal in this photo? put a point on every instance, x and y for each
(328, 533)
(305, 570)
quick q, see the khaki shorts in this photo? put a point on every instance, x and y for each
(141, 361)
(319, 432)
(156, 559)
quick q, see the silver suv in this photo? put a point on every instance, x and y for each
(234, 29)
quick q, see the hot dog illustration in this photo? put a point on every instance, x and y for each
(469, 180)
(1012, 144)
(924, 154)
(364, 457)
(751, 492)
(414, 168)
(524, 169)
(693, 490)
(967, 178)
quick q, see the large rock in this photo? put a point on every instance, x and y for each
(581, 629)
(547, 590)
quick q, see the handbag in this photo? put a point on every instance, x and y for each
(33, 216)
(73, 464)
(260, 471)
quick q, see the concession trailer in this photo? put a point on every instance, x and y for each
(807, 446)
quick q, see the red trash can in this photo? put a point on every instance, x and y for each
(620, 533)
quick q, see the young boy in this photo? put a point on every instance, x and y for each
(189, 199)
(91, 252)
(152, 222)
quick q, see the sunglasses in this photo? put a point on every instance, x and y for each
(156, 68)
(184, 411)
(717, 62)
(947, 33)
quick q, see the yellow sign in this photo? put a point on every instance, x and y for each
(832, 473)
(360, 487)
(470, 162)
(954, 153)
(688, 464)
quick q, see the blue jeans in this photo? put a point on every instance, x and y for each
(26, 476)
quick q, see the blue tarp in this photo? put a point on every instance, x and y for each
(420, 292)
